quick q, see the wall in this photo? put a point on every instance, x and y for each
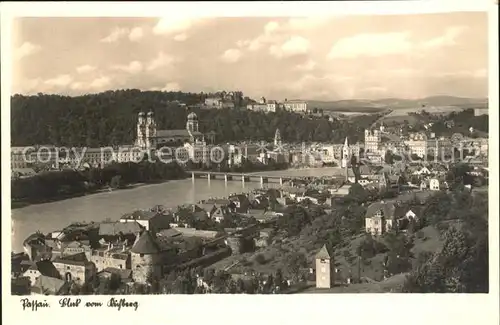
(324, 274)
(78, 272)
(102, 262)
(144, 265)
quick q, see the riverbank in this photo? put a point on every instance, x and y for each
(290, 172)
(23, 204)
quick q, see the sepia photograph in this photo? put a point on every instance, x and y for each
(268, 155)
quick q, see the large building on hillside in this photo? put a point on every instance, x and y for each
(373, 138)
(298, 106)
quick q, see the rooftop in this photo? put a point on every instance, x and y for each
(145, 244)
(47, 285)
(176, 133)
(323, 253)
(387, 208)
(117, 228)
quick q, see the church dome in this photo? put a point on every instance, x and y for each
(141, 114)
(192, 116)
(150, 113)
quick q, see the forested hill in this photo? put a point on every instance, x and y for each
(110, 118)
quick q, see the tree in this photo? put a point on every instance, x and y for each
(389, 157)
(358, 193)
(261, 259)
(295, 262)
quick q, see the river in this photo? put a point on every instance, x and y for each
(52, 216)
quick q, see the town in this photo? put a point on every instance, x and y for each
(391, 207)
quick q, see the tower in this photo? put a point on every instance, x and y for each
(277, 138)
(324, 274)
(145, 258)
(141, 130)
(192, 122)
(150, 131)
(345, 154)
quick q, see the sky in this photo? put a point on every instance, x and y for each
(315, 58)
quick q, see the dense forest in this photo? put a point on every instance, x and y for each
(110, 118)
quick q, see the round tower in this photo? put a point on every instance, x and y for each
(145, 258)
(192, 122)
(150, 130)
(277, 138)
(141, 124)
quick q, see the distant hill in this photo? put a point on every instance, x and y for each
(360, 105)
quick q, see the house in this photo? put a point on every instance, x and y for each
(115, 255)
(169, 233)
(221, 213)
(72, 247)
(151, 221)
(434, 184)
(23, 172)
(264, 238)
(405, 215)
(112, 231)
(34, 245)
(423, 185)
(125, 275)
(20, 286)
(379, 217)
(192, 232)
(422, 171)
(45, 285)
(75, 268)
(285, 201)
(209, 208)
(240, 202)
(37, 269)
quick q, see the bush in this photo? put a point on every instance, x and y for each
(420, 234)
(261, 259)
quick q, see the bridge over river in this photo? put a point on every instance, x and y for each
(243, 177)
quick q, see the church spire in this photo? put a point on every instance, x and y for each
(346, 143)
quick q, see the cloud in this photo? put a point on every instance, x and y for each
(135, 34)
(115, 35)
(269, 36)
(160, 61)
(100, 83)
(307, 66)
(373, 91)
(448, 39)
(26, 49)
(77, 85)
(171, 86)
(371, 45)
(271, 27)
(231, 55)
(390, 44)
(85, 68)
(295, 45)
(177, 25)
(133, 67)
(62, 80)
(307, 23)
(471, 74)
(31, 85)
(180, 37)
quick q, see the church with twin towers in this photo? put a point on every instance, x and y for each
(149, 137)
